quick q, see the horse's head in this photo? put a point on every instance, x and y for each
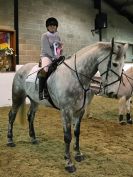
(110, 68)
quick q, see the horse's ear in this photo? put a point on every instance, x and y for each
(112, 43)
(126, 47)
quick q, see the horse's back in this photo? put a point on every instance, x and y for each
(24, 70)
(18, 87)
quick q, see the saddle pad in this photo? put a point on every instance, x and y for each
(31, 77)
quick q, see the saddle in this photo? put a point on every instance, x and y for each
(51, 69)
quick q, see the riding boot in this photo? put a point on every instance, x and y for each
(42, 75)
(41, 87)
(46, 95)
(45, 89)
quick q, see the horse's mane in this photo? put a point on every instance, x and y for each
(97, 45)
(94, 48)
(117, 48)
(104, 45)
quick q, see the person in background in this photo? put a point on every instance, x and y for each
(51, 49)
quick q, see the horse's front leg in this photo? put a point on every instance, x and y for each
(67, 139)
(78, 156)
(128, 115)
(122, 110)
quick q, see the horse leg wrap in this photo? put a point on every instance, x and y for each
(129, 120)
(121, 120)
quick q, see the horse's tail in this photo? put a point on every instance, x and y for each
(22, 113)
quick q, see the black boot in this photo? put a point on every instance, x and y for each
(43, 92)
(41, 87)
(46, 95)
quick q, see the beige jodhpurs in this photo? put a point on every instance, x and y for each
(45, 63)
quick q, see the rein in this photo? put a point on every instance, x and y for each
(85, 90)
(77, 74)
(106, 72)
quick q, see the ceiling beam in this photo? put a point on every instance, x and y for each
(119, 9)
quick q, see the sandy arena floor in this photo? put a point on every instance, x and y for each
(107, 146)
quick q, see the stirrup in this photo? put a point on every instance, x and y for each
(41, 96)
(46, 95)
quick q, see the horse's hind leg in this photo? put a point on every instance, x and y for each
(77, 121)
(31, 116)
(12, 115)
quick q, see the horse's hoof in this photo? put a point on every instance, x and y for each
(122, 122)
(70, 168)
(11, 144)
(79, 157)
(34, 141)
(130, 121)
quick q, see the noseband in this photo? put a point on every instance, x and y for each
(109, 68)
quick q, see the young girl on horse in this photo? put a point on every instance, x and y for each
(51, 49)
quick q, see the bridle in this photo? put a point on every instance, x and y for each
(109, 69)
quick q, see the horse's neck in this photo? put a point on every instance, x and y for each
(88, 63)
(85, 63)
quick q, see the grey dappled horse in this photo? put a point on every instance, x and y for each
(69, 90)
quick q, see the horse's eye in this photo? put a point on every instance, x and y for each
(115, 64)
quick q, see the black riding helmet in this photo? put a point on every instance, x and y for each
(51, 21)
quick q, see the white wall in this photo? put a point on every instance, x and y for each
(6, 80)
